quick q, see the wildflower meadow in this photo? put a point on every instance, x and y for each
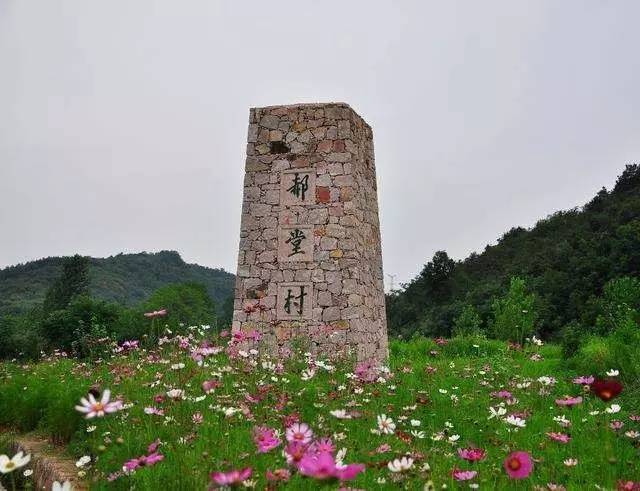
(197, 411)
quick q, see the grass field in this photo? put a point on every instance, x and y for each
(436, 398)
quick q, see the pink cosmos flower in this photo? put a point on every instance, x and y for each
(323, 466)
(503, 394)
(299, 432)
(584, 380)
(278, 475)
(294, 452)
(230, 478)
(144, 461)
(616, 425)
(559, 437)
(92, 408)
(156, 313)
(323, 445)
(472, 454)
(197, 418)
(569, 401)
(460, 475)
(210, 385)
(153, 410)
(518, 465)
(265, 438)
(628, 486)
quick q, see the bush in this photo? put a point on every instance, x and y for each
(594, 357)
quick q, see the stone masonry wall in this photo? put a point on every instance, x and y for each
(310, 260)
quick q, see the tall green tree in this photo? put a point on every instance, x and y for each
(514, 314)
(73, 282)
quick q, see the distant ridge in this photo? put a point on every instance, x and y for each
(124, 278)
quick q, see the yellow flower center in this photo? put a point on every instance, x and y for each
(10, 465)
(514, 464)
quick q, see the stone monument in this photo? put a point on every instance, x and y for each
(310, 260)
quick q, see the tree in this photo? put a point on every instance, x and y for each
(468, 322)
(73, 282)
(188, 304)
(514, 315)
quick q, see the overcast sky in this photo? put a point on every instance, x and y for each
(123, 124)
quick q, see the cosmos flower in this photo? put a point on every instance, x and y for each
(461, 475)
(93, 408)
(515, 421)
(606, 389)
(584, 380)
(8, 465)
(65, 486)
(472, 454)
(400, 465)
(569, 401)
(230, 478)
(386, 425)
(518, 465)
(299, 432)
(559, 437)
(497, 413)
(323, 466)
(570, 462)
(266, 439)
(156, 313)
(613, 409)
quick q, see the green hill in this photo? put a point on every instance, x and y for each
(566, 259)
(125, 278)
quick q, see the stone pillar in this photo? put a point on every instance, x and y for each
(310, 260)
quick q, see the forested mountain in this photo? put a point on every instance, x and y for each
(127, 279)
(565, 259)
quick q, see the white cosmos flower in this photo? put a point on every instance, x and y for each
(613, 373)
(497, 413)
(66, 486)
(340, 414)
(92, 408)
(8, 465)
(515, 421)
(29, 472)
(386, 425)
(308, 374)
(83, 461)
(400, 465)
(613, 409)
(176, 394)
(415, 422)
(418, 434)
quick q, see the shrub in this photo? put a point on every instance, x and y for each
(571, 338)
(186, 303)
(593, 357)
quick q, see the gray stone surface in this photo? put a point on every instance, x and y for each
(310, 189)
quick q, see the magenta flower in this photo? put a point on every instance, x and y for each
(265, 438)
(569, 401)
(518, 465)
(323, 466)
(559, 437)
(299, 432)
(503, 394)
(472, 454)
(144, 461)
(460, 475)
(230, 478)
(92, 408)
